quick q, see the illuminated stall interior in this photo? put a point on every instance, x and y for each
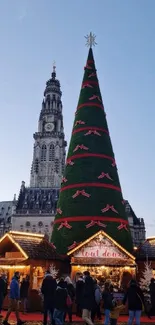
(30, 254)
(104, 258)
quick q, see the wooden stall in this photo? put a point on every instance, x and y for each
(145, 254)
(30, 254)
(105, 259)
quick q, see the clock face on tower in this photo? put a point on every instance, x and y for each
(49, 127)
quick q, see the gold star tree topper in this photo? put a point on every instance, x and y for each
(90, 40)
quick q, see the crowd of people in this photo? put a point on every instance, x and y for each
(59, 298)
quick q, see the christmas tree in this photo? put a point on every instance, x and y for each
(146, 277)
(90, 196)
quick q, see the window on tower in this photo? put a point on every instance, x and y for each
(51, 152)
(43, 152)
(57, 166)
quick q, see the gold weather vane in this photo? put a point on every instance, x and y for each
(90, 40)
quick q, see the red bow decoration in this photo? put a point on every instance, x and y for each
(64, 224)
(95, 97)
(69, 162)
(93, 131)
(64, 180)
(79, 122)
(109, 207)
(80, 147)
(82, 192)
(53, 245)
(87, 86)
(93, 223)
(59, 211)
(88, 67)
(114, 163)
(122, 226)
(105, 175)
(93, 74)
(73, 245)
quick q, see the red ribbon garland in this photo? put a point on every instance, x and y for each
(113, 187)
(90, 128)
(90, 218)
(90, 104)
(86, 155)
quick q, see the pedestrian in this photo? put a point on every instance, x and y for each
(14, 297)
(135, 298)
(115, 312)
(24, 290)
(3, 291)
(96, 307)
(88, 298)
(152, 295)
(79, 293)
(71, 294)
(48, 289)
(60, 303)
(107, 297)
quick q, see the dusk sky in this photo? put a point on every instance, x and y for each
(34, 33)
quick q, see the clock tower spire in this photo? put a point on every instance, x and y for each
(49, 146)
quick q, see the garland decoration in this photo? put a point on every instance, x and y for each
(93, 131)
(79, 122)
(122, 226)
(95, 97)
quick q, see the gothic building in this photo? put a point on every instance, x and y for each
(36, 204)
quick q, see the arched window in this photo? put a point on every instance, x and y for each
(51, 152)
(43, 152)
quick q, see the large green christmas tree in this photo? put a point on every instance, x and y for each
(90, 196)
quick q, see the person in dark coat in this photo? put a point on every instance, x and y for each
(3, 290)
(96, 308)
(152, 294)
(24, 289)
(71, 293)
(79, 293)
(60, 303)
(88, 298)
(48, 290)
(135, 298)
(107, 297)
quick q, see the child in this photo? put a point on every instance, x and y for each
(114, 314)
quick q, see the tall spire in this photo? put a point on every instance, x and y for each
(53, 75)
(90, 196)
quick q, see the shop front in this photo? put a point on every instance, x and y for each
(105, 259)
(32, 255)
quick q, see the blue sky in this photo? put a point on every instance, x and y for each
(34, 33)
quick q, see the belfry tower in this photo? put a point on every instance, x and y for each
(49, 147)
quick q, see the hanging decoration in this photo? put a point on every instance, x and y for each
(93, 74)
(113, 164)
(102, 175)
(109, 207)
(95, 97)
(93, 223)
(122, 226)
(79, 122)
(64, 224)
(93, 132)
(88, 67)
(53, 246)
(59, 211)
(87, 86)
(82, 192)
(72, 246)
(82, 147)
(70, 162)
(64, 180)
